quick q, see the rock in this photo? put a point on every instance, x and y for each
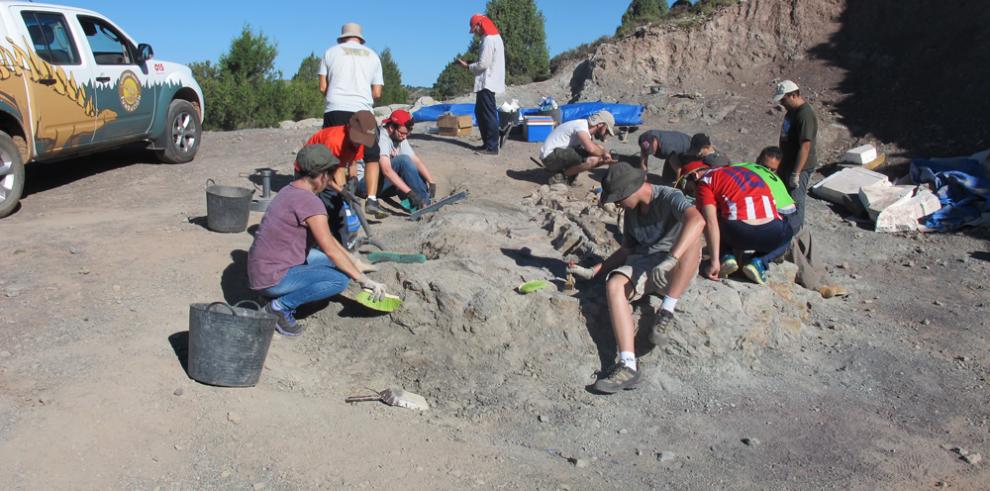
(666, 456)
(542, 418)
(11, 292)
(233, 417)
(751, 442)
(579, 463)
(179, 392)
(623, 431)
(973, 458)
(224, 474)
(559, 188)
(259, 486)
(639, 452)
(74, 250)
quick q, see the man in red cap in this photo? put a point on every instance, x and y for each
(740, 214)
(404, 172)
(489, 79)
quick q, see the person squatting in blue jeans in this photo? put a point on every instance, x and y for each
(281, 267)
(405, 173)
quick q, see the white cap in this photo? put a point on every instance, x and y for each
(351, 30)
(784, 88)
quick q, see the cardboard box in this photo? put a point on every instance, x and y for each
(449, 121)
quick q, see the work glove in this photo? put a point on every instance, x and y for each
(795, 180)
(581, 271)
(377, 289)
(433, 190)
(415, 200)
(660, 273)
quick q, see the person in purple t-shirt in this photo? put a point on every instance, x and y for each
(279, 265)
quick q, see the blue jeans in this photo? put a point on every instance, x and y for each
(770, 239)
(406, 169)
(800, 193)
(487, 115)
(310, 282)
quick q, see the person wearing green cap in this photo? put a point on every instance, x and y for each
(281, 267)
(660, 254)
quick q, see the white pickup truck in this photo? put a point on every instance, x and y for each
(72, 83)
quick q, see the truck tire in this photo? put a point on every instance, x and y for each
(182, 133)
(11, 175)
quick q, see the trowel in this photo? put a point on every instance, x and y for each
(395, 397)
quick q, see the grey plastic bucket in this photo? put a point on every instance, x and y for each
(227, 207)
(228, 344)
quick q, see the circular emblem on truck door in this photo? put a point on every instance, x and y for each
(129, 89)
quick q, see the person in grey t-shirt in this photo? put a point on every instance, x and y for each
(660, 253)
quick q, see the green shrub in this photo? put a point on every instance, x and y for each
(393, 92)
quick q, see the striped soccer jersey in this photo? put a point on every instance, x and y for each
(737, 193)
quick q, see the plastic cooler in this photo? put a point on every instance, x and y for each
(538, 128)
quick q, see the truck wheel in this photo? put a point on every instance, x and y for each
(11, 175)
(182, 133)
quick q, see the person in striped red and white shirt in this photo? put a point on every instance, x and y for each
(740, 214)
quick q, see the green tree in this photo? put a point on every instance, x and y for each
(521, 25)
(393, 92)
(641, 12)
(303, 92)
(454, 80)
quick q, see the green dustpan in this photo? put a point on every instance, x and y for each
(532, 286)
(388, 303)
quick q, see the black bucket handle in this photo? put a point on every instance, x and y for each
(238, 304)
(210, 182)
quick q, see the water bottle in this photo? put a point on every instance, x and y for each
(351, 223)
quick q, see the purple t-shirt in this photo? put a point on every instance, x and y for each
(280, 242)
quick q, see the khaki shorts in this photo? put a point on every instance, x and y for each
(637, 269)
(564, 158)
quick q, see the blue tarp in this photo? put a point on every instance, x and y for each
(625, 114)
(962, 186)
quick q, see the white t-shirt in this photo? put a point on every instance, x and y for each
(351, 69)
(565, 135)
(389, 148)
(489, 71)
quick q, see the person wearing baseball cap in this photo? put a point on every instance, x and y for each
(741, 214)
(489, 79)
(663, 145)
(660, 254)
(405, 174)
(279, 264)
(798, 135)
(570, 148)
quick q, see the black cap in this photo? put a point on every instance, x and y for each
(622, 180)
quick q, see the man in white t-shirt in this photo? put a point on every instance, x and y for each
(489, 79)
(350, 80)
(570, 150)
(405, 174)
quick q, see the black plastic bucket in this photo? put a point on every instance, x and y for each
(228, 344)
(227, 207)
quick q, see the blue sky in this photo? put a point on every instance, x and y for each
(423, 35)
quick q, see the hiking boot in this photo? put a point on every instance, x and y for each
(560, 178)
(487, 151)
(756, 271)
(729, 266)
(619, 377)
(372, 208)
(285, 324)
(658, 336)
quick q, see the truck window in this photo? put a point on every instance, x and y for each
(51, 38)
(109, 46)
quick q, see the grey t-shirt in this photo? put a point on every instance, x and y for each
(657, 229)
(671, 142)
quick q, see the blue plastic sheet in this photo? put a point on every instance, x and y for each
(962, 186)
(625, 114)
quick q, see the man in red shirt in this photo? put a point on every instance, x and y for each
(347, 143)
(739, 213)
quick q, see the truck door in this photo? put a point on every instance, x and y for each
(62, 110)
(122, 85)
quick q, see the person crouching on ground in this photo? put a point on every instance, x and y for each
(569, 149)
(660, 254)
(279, 265)
(405, 174)
(739, 212)
(766, 167)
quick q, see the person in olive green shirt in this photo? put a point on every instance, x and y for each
(797, 143)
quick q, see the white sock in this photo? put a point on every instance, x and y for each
(628, 359)
(668, 304)
(372, 197)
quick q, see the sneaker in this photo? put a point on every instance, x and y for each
(560, 178)
(729, 266)
(487, 152)
(756, 271)
(619, 377)
(371, 207)
(658, 336)
(285, 324)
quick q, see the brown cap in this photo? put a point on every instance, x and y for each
(362, 128)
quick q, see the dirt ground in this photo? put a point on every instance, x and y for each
(101, 262)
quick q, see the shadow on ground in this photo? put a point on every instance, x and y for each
(45, 176)
(919, 78)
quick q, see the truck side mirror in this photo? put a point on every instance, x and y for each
(145, 52)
